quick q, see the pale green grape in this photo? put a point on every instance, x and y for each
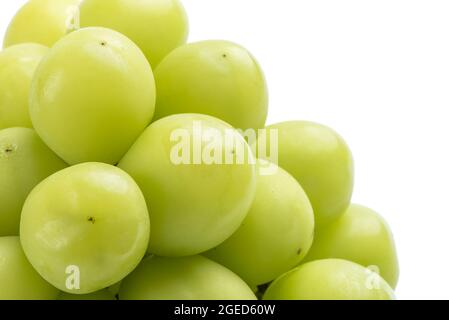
(42, 21)
(193, 207)
(89, 223)
(276, 234)
(321, 162)
(92, 95)
(330, 279)
(217, 78)
(18, 279)
(17, 66)
(98, 295)
(188, 278)
(156, 26)
(24, 162)
(362, 236)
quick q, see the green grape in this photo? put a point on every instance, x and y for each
(321, 162)
(217, 78)
(362, 236)
(24, 162)
(276, 234)
(195, 204)
(17, 66)
(187, 278)
(156, 26)
(330, 279)
(18, 279)
(42, 21)
(92, 96)
(85, 228)
(98, 295)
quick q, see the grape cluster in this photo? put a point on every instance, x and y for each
(136, 166)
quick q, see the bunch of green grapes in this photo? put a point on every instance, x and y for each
(137, 166)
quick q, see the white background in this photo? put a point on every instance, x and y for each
(378, 73)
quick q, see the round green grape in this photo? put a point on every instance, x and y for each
(85, 228)
(187, 278)
(320, 160)
(24, 162)
(43, 21)
(17, 66)
(330, 279)
(156, 26)
(196, 202)
(276, 234)
(92, 96)
(362, 236)
(19, 281)
(97, 296)
(218, 78)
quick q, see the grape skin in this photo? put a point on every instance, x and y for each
(92, 217)
(18, 279)
(276, 234)
(42, 21)
(321, 162)
(24, 162)
(156, 26)
(360, 235)
(193, 207)
(17, 66)
(188, 278)
(330, 279)
(92, 96)
(221, 79)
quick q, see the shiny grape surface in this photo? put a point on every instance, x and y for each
(42, 21)
(276, 234)
(24, 162)
(188, 278)
(330, 279)
(220, 78)
(156, 26)
(19, 281)
(17, 66)
(322, 163)
(360, 235)
(92, 96)
(193, 207)
(88, 221)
